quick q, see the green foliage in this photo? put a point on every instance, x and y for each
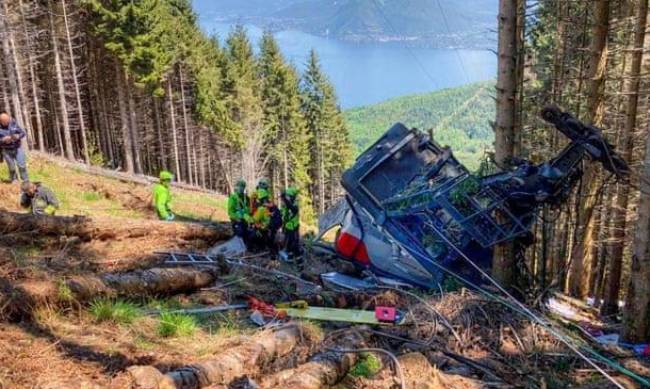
(367, 366)
(330, 144)
(287, 133)
(254, 103)
(470, 186)
(173, 324)
(460, 118)
(117, 311)
(240, 88)
(144, 35)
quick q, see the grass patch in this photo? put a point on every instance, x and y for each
(64, 292)
(91, 196)
(143, 344)
(367, 366)
(174, 324)
(118, 311)
(163, 304)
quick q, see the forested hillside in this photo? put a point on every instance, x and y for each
(458, 117)
(137, 86)
(593, 59)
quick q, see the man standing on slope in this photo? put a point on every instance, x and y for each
(38, 198)
(239, 210)
(162, 197)
(10, 144)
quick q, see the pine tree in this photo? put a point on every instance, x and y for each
(319, 110)
(287, 137)
(243, 101)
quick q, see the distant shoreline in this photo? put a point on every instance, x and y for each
(437, 41)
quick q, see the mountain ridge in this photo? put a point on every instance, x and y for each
(435, 23)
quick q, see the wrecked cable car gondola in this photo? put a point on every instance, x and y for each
(413, 213)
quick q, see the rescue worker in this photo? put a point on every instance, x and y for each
(162, 196)
(291, 222)
(239, 210)
(10, 144)
(266, 222)
(38, 198)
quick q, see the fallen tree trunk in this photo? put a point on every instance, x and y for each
(233, 363)
(323, 370)
(153, 281)
(23, 297)
(108, 228)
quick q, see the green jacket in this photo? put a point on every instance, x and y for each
(238, 207)
(44, 202)
(162, 198)
(290, 216)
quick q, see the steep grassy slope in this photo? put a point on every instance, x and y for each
(84, 194)
(459, 117)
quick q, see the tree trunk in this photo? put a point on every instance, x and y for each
(232, 363)
(188, 145)
(11, 67)
(75, 81)
(636, 317)
(21, 299)
(631, 90)
(172, 113)
(324, 369)
(162, 159)
(67, 138)
(580, 271)
(134, 135)
(504, 264)
(33, 82)
(124, 119)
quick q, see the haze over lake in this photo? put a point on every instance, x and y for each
(369, 73)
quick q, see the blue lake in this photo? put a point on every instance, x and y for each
(369, 73)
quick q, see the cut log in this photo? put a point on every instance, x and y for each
(155, 281)
(108, 228)
(224, 368)
(323, 370)
(19, 299)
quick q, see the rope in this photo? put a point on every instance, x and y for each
(523, 309)
(428, 306)
(476, 365)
